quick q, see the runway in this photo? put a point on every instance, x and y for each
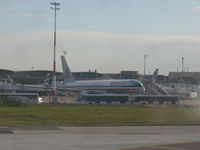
(100, 138)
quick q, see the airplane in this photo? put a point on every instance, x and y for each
(73, 87)
(7, 84)
(35, 87)
(173, 89)
(128, 86)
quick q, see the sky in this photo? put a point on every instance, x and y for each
(103, 35)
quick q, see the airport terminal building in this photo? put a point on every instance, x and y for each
(185, 77)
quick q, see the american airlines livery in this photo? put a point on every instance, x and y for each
(129, 86)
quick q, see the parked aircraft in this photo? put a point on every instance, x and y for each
(70, 85)
(183, 90)
(129, 86)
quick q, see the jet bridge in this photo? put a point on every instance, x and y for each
(155, 89)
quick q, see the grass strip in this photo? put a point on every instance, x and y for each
(97, 116)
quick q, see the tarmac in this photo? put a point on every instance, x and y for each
(177, 146)
(100, 138)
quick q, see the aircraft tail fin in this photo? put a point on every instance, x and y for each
(155, 75)
(47, 79)
(68, 77)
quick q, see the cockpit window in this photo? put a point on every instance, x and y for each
(134, 83)
(137, 84)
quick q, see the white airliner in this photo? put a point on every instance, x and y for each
(129, 86)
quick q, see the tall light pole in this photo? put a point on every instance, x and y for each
(55, 8)
(182, 58)
(145, 56)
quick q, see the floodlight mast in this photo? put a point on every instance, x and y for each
(55, 8)
(145, 57)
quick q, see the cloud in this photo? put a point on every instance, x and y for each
(6, 8)
(36, 16)
(196, 8)
(194, 1)
(105, 52)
